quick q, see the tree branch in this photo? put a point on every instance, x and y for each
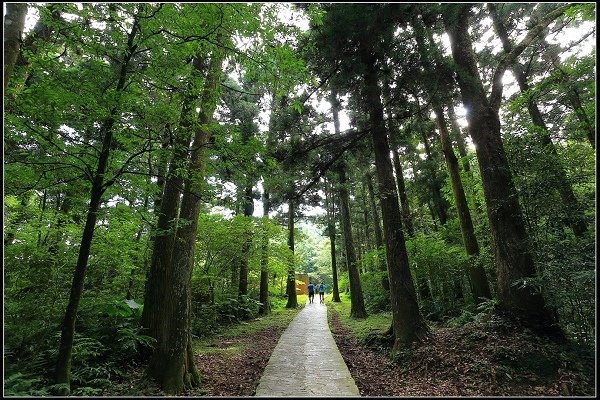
(497, 86)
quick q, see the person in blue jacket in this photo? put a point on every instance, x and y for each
(321, 293)
(311, 292)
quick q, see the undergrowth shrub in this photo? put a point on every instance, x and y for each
(376, 297)
(207, 317)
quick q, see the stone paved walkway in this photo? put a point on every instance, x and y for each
(306, 361)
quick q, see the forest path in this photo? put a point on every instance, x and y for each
(306, 360)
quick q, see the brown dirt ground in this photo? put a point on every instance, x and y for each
(222, 373)
(469, 361)
(465, 361)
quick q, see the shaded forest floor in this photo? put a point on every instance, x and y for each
(230, 362)
(477, 359)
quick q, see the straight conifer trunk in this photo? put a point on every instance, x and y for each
(374, 213)
(248, 211)
(477, 277)
(330, 199)
(405, 206)
(265, 306)
(336, 290)
(401, 187)
(330, 207)
(290, 287)
(408, 323)
(440, 207)
(357, 303)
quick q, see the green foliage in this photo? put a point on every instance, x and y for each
(443, 267)
(568, 280)
(478, 314)
(377, 299)
(236, 309)
(22, 385)
(207, 318)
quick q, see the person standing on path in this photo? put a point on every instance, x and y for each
(311, 292)
(322, 293)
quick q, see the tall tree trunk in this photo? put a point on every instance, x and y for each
(374, 213)
(405, 207)
(290, 288)
(367, 220)
(330, 202)
(401, 187)
(477, 278)
(248, 211)
(357, 303)
(265, 305)
(63, 362)
(459, 138)
(172, 363)
(330, 206)
(155, 292)
(378, 234)
(14, 23)
(436, 188)
(514, 261)
(408, 322)
(562, 184)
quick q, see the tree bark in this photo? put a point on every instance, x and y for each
(14, 23)
(436, 188)
(401, 187)
(405, 207)
(408, 322)
(357, 306)
(155, 292)
(290, 288)
(477, 277)
(172, 363)
(514, 262)
(459, 138)
(330, 208)
(367, 220)
(265, 306)
(330, 203)
(374, 213)
(63, 363)
(248, 211)
(376, 220)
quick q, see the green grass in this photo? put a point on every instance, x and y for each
(360, 327)
(278, 318)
